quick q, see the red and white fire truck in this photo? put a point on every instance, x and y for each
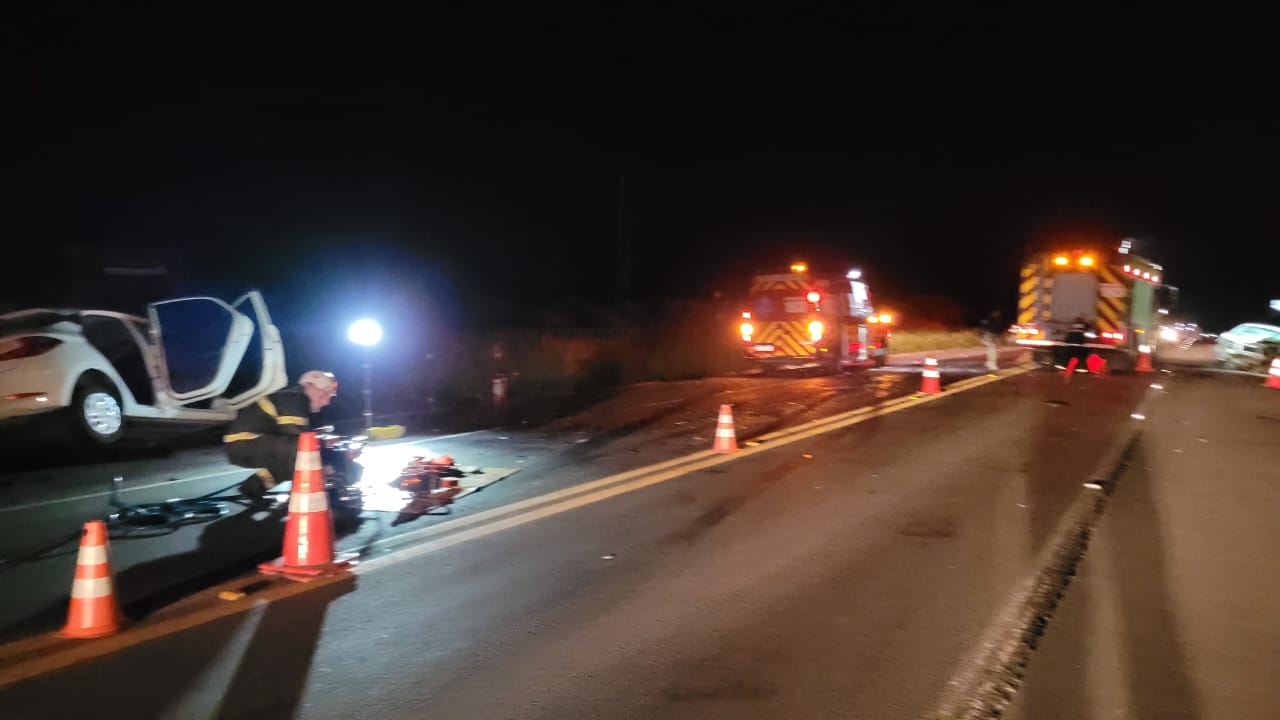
(1088, 300)
(803, 319)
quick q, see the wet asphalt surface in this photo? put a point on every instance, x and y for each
(841, 575)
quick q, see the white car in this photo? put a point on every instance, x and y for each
(191, 361)
(1248, 346)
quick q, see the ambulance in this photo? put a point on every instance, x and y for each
(806, 320)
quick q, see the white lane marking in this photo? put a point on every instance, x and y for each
(208, 690)
(148, 486)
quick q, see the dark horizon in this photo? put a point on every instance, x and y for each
(483, 161)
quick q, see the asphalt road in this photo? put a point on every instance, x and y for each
(843, 574)
(1173, 613)
(44, 503)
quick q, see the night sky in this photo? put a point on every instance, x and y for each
(471, 163)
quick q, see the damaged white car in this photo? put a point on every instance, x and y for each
(191, 362)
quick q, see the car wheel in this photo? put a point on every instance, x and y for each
(97, 411)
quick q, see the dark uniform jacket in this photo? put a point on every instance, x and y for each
(287, 412)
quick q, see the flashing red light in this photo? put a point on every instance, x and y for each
(813, 296)
(25, 347)
(855, 347)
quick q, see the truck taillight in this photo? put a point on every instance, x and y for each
(1113, 336)
(856, 346)
(25, 347)
(815, 330)
(813, 296)
(747, 330)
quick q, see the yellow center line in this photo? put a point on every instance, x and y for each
(644, 477)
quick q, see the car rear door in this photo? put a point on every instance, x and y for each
(200, 343)
(262, 369)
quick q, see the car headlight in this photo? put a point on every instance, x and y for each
(1169, 334)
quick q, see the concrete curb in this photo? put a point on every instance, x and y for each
(987, 679)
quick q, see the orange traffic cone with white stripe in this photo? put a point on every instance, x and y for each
(931, 380)
(1144, 359)
(1273, 375)
(93, 611)
(308, 531)
(726, 439)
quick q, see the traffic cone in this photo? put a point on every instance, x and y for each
(930, 381)
(1144, 359)
(1071, 369)
(93, 611)
(1273, 375)
(308, 531)
(726, 439)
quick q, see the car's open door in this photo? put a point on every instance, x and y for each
(201, 342)
(262, 369)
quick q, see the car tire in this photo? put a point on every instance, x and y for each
(97, 412)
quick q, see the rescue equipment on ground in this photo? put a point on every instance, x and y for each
(433, 482)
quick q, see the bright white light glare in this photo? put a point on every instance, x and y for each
(1163, 311)
(1169, 334)
(854, 274)
(1157, 386)
(1144, 348)
(365, 332)
(1138, 416)
(1093, 486)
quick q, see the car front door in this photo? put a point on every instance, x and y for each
(262, 369)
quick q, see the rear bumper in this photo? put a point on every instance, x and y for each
(24, 406)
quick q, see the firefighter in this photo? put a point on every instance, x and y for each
(264, 436)
(1076, 339)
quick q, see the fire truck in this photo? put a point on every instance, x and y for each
(802, 319)
(1083, 301)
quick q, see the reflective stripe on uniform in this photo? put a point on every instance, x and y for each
(236, 437)
(291, 420)
(89, 588)
(268, 407)
(308, 502)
